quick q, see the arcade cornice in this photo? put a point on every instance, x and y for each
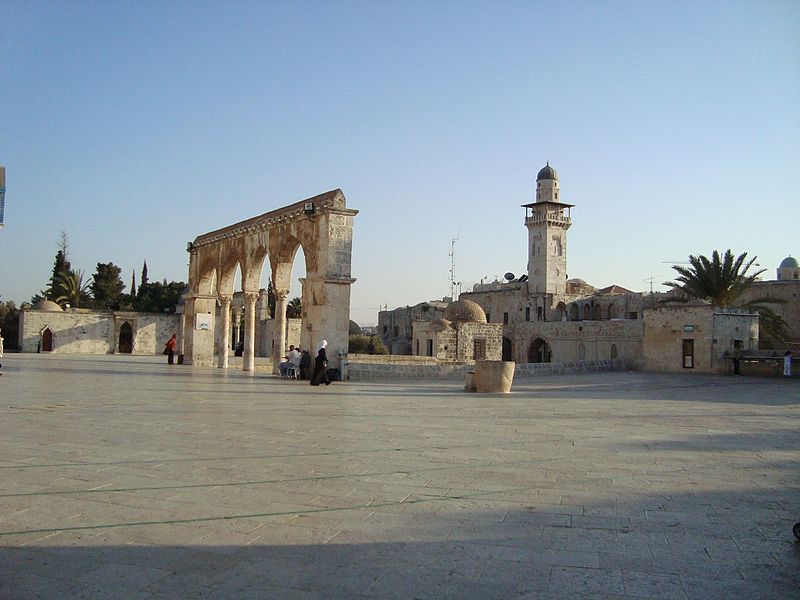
(332, 202)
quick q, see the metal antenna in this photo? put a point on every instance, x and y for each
(453, 266)
(651, 279)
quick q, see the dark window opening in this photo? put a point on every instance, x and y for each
(688, 354)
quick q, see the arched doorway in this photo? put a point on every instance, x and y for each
(581, 352)
(508, 352)
(126, 338)
(614, 352)
(539, 352)
(47, 340)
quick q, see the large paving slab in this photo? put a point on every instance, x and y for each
(121, 477)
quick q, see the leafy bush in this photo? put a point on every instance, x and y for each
(365, 344)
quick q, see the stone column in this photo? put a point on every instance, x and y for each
(279, 330)
(237, 320)
(249, 331)
(198, 341)
(224, 331)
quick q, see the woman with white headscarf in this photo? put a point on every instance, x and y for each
(321, 365)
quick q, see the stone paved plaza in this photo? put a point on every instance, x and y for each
(125, 478)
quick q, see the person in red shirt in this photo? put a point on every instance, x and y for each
(170, 347)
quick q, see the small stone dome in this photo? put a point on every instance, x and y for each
(547, 172)
(789, 263)
(465, 311)
(47, 306)
(354, 328)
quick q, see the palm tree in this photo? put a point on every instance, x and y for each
(294, 308)
(74, 289)
(721, 281)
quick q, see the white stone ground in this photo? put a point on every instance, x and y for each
(121, 477)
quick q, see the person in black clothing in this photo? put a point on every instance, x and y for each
(305, 364)
(320, 374)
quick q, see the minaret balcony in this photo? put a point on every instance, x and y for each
(549, 219)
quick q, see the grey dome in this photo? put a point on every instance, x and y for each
(789, 263)
(547, 172)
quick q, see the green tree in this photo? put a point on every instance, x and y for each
(365, 344)
(721, 281)
(294, 309)
(75, 291)
(145, 280)
(159, 296)
(107, 286)
(61, 265)
(271, 298)
(9, 325)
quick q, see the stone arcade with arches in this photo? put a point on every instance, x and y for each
(323, 227)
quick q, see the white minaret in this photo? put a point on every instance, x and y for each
(547, 221)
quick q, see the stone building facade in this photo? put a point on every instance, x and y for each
(696, 336)
(396, 326)
(48, 328)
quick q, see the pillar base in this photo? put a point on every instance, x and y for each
(494, 376)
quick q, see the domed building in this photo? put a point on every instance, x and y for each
(788, 269)
(462, 335)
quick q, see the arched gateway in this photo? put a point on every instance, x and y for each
(323, 227)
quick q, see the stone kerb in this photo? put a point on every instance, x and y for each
(493, 376)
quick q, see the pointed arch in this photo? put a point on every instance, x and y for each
(46, 339)
(125, 344)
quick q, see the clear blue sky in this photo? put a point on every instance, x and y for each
(136, 126)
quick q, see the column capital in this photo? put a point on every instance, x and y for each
(225, 299)
(250, 297)
(281, 294)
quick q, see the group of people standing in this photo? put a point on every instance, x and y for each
(300, 361)
(297, 359)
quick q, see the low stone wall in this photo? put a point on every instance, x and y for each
(385, 366)
(363, 366)
(571, 368)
